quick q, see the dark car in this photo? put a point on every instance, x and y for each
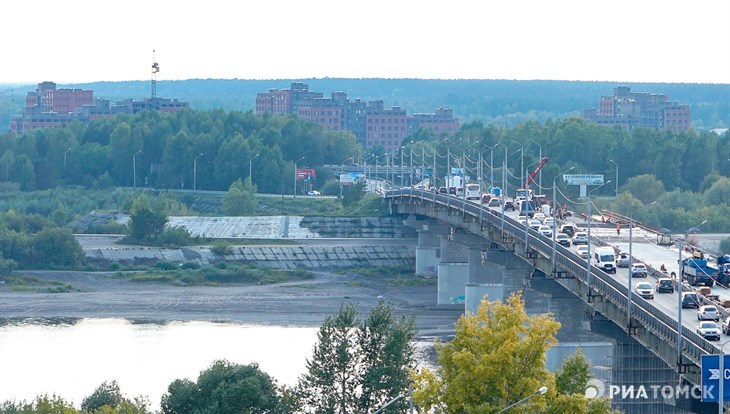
(509, 205)
(690, 300)
(442, 190)
(665, 285)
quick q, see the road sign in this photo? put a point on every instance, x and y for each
(711, 377)
(583, 179)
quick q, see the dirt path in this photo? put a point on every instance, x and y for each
(304, 303)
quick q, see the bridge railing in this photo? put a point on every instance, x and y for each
(603, 284)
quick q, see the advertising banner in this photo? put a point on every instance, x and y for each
(583, 179)
(306, 174)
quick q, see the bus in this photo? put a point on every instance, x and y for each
(473, 192)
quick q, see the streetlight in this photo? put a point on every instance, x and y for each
(64, 158)
(539, 184)
(679, 295)
(250, 170)
(195, 171)
(721, 357)
(614, 163)
(631, 259)
(555, 201)
(295, 176)
(540, 391)
(448, 166)
(491, 164)
(134, 168)
(522, 164)
(588, 261)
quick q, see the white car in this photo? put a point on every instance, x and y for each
(580, 237)
(583, 251)
(549, 221)
(644, 289)
(709, 330)
(545, 231)
(639, 270)
(539, 216)
(314, 193)
(534, 224)
(708, 313)
(522, 220)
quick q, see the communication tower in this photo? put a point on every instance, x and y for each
(155, 69)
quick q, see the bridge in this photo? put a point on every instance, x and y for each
(449, 226)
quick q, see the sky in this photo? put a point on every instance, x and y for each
(78, 41)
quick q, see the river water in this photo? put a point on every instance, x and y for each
(72, 359)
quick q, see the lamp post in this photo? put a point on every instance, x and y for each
(134, 169)
(614, 163)
(195, 171)
(522, 164)
(631, 259)
(295, 176)
(588, 261)
(540, 391)
(64, 158)
(539, 182)
(679, 295)
(721, 357)
(491, 164)
(555, 202)
(463, 181)
(250, 169)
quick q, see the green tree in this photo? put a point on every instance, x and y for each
(718, 194)
(357, 366)
(645, 188)
(725, 245)
(224, 388)
(56, 247)
(240, 199)
(108, 393)
(146, 223)
(573, 375)
(496, 358)
(353, 194)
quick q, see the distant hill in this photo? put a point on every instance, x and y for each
(501, 102)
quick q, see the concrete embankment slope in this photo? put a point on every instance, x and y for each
(368, 250)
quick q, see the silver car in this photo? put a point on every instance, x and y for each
(622, 260)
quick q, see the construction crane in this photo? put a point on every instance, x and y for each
(532, 175)
(155, 69)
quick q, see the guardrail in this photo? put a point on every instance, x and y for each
(644, 312)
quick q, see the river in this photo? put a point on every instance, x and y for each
(72, 359)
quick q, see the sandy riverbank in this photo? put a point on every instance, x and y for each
(304, 303)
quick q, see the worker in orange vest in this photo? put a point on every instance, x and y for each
(618, 229)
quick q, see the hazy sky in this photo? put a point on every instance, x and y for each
(615, 40)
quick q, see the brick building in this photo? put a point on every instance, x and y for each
(639, 109)
(51, 107)
(370, 122)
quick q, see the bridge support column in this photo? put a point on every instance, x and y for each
(428, 249)
(452, 272)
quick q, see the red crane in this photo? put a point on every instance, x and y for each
(532, 175)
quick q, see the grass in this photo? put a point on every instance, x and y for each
(212, 276)
(27, 283)
(393, 276)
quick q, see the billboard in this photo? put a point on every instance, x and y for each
(306, 174)
(351, 178)
(583, 179)
(711, 377)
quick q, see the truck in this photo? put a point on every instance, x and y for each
(527, 193)
(454, 183)
(526, 207)
(698, 271)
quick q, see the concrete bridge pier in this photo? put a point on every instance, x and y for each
(429, 243)
(452, 271)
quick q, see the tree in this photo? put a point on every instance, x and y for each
(725, 245)
(57, 247)
(645, 188)
(240, 199)
(146, 223)
(353, 194)
(357, 366)
(497, 358)
(224, 388)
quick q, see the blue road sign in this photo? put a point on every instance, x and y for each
(711, 377)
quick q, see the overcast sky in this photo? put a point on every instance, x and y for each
(77, 41)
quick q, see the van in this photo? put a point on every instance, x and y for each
(568, 228)
(690, 300)
(605, 259)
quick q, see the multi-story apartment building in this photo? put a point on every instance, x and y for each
(51, 107)
(370, 122)
(639, 109)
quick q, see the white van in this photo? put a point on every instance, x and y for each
(605, 258)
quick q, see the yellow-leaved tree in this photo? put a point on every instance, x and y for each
(497, 358)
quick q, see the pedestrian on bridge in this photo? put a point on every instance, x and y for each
(618, 229)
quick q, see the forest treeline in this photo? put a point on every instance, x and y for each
(213, 149)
